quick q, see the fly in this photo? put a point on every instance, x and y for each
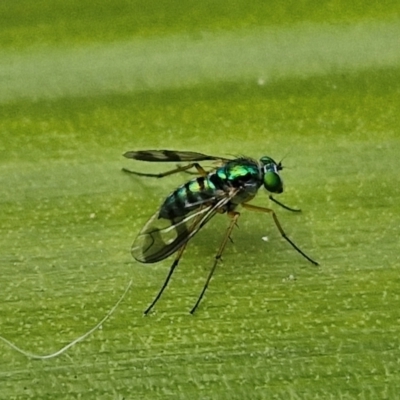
(232, 182)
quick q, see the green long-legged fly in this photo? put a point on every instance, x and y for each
(232, 182)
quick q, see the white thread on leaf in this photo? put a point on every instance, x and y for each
(74, 342)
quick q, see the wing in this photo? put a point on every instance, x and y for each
(170, 156)
(162, 237)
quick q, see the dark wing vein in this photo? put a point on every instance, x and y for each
(155, 243)
(169, 156)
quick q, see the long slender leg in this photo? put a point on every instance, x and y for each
(179, 168)
(278, 225)
(283, 205)
(197, 173)
(171, 271)
(234, 215)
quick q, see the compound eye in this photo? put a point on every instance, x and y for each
(273, 182)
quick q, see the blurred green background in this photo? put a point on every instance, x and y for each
(316, 82)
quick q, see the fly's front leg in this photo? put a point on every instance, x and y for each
(278, 225)
(283, 205)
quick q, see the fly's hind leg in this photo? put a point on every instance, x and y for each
(203, 173)
(200, 170)
(171, 271)
(172, 268)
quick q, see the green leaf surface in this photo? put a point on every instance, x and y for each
(316, 84)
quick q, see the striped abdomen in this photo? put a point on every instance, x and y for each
(191, 195)
(239, 173)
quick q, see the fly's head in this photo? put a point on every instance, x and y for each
(271, 179)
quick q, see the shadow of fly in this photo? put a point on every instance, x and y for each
(230, 183)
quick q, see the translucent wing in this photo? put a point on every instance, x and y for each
(161, 237)
(169, 156)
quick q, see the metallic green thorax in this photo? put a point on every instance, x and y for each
(242, 174)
